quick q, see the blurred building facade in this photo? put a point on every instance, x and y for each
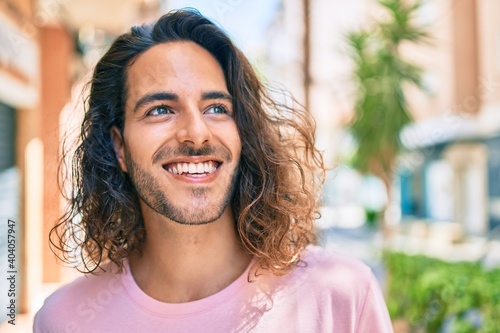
(451, 170)
(19, 95)
(324, 83)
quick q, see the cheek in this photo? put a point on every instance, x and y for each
(136, 149)
(235, 143)
(137, 154)
(140, 142)
(238, 149)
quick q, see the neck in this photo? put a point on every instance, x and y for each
(182, 263)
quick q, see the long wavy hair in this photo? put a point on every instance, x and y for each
(281, 172)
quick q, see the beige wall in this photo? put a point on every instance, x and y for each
(488, 43)
(488, 34)
(465, 55)
(450, 61)
(56, 55)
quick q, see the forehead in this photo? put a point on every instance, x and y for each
(180, 67)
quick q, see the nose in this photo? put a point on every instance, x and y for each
(193, 128)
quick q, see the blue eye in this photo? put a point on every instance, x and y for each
(159, 110)
(217, 109)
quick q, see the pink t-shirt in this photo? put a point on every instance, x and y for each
(326, 293)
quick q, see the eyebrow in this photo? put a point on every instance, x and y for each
(216, 95)
(168, 96)
(158, 96)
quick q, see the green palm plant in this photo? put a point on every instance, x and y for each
(381, 72)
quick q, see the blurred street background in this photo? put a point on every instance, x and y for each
(406, 96)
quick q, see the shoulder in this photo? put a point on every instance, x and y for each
(326, 291)
(346, 287)
(67, 301)
(337, 267)
(322, 271)
(341, 277)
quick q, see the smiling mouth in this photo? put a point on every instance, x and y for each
(193, 169)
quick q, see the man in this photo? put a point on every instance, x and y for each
(194, 200)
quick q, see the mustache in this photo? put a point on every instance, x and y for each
(166, 153)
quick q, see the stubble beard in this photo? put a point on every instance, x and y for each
(148, 190)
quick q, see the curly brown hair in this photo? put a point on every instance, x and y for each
(281, 172)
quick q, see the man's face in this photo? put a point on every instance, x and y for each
(180, 143)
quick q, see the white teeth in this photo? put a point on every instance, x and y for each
(193, 168)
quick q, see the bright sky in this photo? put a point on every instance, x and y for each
(246, 21)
